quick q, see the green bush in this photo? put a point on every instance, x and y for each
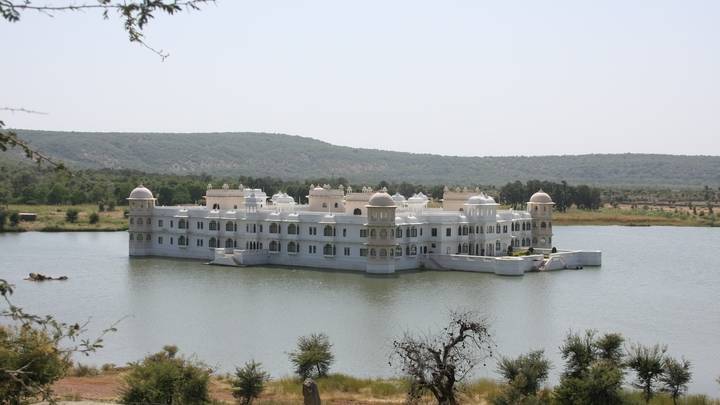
(82, 370)
(94, 218)
(249, 382)
(35, 353)
(313, 356)
(165, 378)
(14, 218)
(71, 215)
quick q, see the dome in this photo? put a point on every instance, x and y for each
(418, 198)
(480, 199)
(140, 192)
(282, 198)
(381, 200)
(541, 197)
(397, 197)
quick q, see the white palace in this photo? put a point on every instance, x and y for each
(345, 229)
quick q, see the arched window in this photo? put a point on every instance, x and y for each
(373, 253)
(139, 237)
(465, 248)
(398, 251)
(274, 246)
(292, 247)
(274, 228)
(148, 221)
(398, 232)
(461, 210)
(292, 229)
(216, 206)
(336, 205)
(413, 250)
(229, 243)
(413, 232)
(212, 243)
(328, 231)
(132, 237)
(372, 233)
(213, 225)
(357, 211)
(328, 250)
(383, 233)
(383, 252)
(407, 250)
(497, 246)
(132, 221)
(459, 249)
(229, 226)
(324, 205)
(344, 232)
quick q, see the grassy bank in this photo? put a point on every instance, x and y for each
(51, 218)
(634, 217)
(334, 389)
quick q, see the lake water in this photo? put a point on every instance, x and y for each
(657, 284)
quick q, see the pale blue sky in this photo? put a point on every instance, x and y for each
(449, 77)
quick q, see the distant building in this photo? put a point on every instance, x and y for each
(344, 229)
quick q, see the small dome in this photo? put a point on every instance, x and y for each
(397, 197)
(282, 198)
(541, 197)
(419, 198)
(381, 200)
(140, 192)
(480, 199)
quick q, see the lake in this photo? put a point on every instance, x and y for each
(656, 285)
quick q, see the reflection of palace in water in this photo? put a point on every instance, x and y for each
(352, 230)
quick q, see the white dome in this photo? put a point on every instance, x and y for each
(282, 198)
(140, 193)
(541, 197)
(480, 199)
(419, 198)
(381, 200)
(397, 197)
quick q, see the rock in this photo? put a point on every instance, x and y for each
(311, 394)
(42, 277)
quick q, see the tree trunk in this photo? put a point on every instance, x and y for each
(311, 394)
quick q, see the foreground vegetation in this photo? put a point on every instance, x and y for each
(55, 218)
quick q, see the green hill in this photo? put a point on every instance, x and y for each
(295, 157)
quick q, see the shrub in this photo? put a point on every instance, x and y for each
(35, 353)
(313, 356)
(81, 370)
(14, 218)
(249, 382)
(647, 362)
(71, 215)
(164, 378)
(94, 218)
(524, 376)
(3, 219)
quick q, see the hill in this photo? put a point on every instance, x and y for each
(295, 157)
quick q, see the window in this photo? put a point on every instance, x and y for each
(413, 232)
(212, 243)
(328, 231)
(200, 225)
(433, 232)
(413, 250)
(542, 225)
(363, 252)
(336, 205)
(171, 240)
(344, 232)
(274, 246)
(160, 240)
(398, 232)
(346, 251)
(171, 224)
(383, 252)
(329, 250)
(398, 251)
(147, 221)
(274, 228)
(497, 246)
(229, 226)
(504, 228)
(312, 230)
(363, 233)
(293, 247)
(292, 229)
(312, 249)
(497, 228)
(132, 221)
(373, 234)
(448, 231)
(357, 211)
(373, 253)
(229, 243)
(324, 205)
(213, 226)
(261, 228)
(199, 242)
(132, 237)
(160, 223)
(182, 224)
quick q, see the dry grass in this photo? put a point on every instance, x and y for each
(52, 218)
(632, 217)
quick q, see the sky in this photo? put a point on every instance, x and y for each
(472, 78)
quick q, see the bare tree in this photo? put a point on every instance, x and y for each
(134, 14)
(437, 362)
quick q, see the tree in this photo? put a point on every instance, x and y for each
(3, 219)
(647, 363)
(524, 376)
(35, 351)
(71, 215)
(249, 382)
(94, 218)
(14, 218)
(675, 377)
(593, 369)
(165, 378)
(135, 15)
(436, 363)
(313, 356)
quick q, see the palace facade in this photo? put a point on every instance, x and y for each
(345, 229)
